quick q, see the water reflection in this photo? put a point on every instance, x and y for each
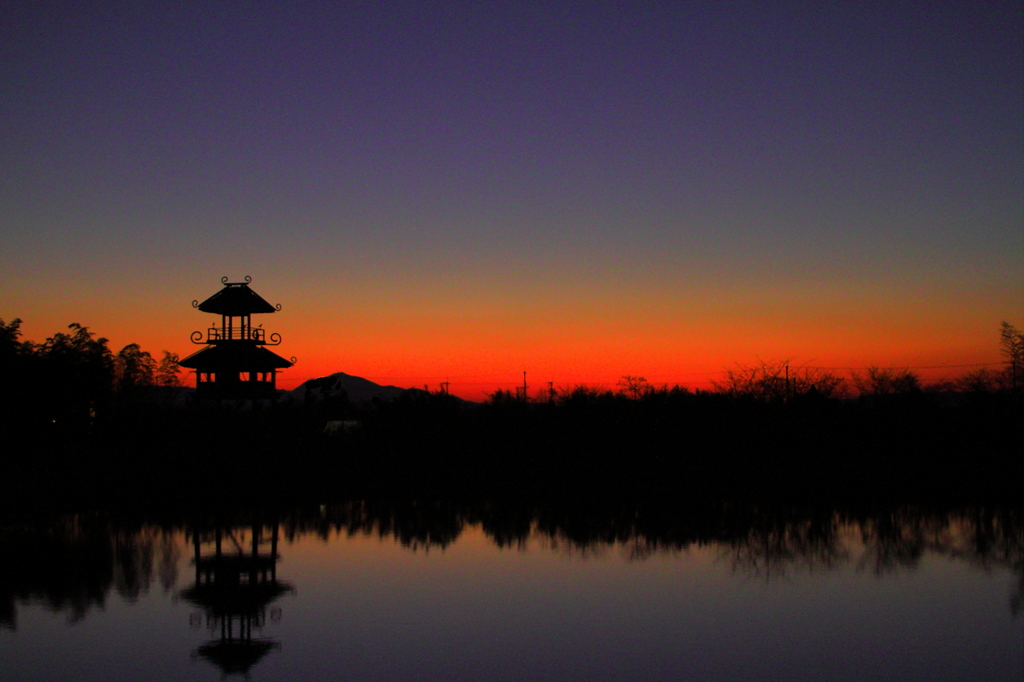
(235, 583)
(71, 564)
(224, 567)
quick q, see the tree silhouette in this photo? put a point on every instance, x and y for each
(76, 372)
(135, 368)
(778, 381)
(16, 360)
(981, 380)
(634, 387)
(1012, 347)
(879, 381)
(168, 370)
(9, 335)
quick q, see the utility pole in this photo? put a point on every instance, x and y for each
(525, 396)
(551, 392)
(787, 381)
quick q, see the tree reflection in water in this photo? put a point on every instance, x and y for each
(777, 547)
(72, 563)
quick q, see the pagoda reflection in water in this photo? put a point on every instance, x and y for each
(235, 585)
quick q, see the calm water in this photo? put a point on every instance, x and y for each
(346, 592)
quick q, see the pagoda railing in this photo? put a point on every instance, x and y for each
(256, 334)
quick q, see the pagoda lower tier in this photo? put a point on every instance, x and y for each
(236, 370)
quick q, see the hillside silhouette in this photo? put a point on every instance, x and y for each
(356, 389)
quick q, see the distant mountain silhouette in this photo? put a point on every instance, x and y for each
(358, 389)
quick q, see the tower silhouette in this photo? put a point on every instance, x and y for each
(235, 364)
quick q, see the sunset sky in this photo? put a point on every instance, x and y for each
(463, 191)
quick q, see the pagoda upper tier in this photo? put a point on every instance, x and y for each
(236, 303)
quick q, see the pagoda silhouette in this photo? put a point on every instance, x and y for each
(236, 363)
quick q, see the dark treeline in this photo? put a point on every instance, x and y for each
(73, 378)
(72, 563)
(918, 447)
(85, 425)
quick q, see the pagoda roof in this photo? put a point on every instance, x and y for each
(238, 356)
(235, 299)
(236, 656)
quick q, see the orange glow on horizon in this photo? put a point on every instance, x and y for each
(481, 348)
